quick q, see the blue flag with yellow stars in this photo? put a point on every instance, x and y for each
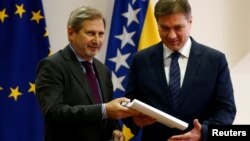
(23, 43)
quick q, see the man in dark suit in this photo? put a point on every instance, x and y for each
(203, 94)
(75, 106)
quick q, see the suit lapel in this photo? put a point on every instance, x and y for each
(193, 65)
(77, 71)
(157, 63)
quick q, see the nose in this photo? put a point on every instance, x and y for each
(96, 39)
(171, 34)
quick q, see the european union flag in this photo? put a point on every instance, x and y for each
(23, 43)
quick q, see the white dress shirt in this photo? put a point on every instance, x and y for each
(183, 59)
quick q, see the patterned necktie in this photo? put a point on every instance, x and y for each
(174, 80)
(92, 81)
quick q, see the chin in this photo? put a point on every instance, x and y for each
(92, 54)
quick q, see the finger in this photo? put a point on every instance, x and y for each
(197, 124)
(123, 99)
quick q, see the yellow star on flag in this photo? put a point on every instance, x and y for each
(127, 133)
(32, 88)
(50, 52)
(36, 16)
(3, 15)
(46, 34)
(1, 88)
(15, 93)
(20, 10)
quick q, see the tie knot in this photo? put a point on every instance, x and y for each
(87, 65)
(175, 54)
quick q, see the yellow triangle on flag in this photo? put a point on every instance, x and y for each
(149, 35)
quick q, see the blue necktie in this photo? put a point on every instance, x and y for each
(92, 80)
(174, 80)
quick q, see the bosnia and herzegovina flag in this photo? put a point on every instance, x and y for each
(23, 42)
(133, 28)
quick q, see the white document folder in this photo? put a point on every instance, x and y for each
(159, 115)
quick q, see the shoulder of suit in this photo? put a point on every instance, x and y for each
(210, 50)
(204, 48)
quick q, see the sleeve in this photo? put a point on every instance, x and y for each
(223, 109)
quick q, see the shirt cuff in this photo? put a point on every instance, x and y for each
(104, 112)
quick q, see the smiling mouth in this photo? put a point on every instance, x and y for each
(93, 47)
(173, 42)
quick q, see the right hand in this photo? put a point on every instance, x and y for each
(143, 120)
(192, 135)
(116, 111)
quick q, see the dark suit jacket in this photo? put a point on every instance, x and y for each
(70, 113)
(206, 93)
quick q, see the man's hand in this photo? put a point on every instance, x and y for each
(143, 120)
(193, 135)
(118, 136)
(116, 111)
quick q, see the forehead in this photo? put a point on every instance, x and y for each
(175, 18)
(93, 24)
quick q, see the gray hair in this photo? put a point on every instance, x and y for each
(82, 14)
(167, 7)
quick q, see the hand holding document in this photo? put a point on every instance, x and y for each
(160, 116)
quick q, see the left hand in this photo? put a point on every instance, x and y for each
(193, 135)
(118, 135)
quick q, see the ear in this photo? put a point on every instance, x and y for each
(71, 32)
(190, 19)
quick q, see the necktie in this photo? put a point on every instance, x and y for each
(174, 79)
(92, 80)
